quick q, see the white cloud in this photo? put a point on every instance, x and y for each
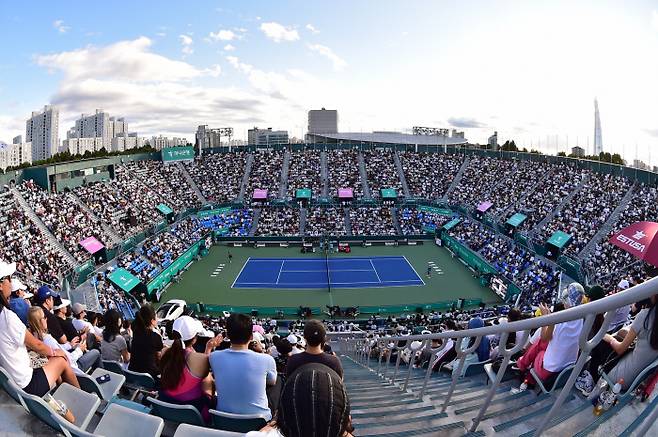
(187, 42)
(161, 34)
(223, 35)
(229, 47)
(59, 25)
(124, 60)
(277, 32)
(311, 28)
(654, 19)
(338, 62)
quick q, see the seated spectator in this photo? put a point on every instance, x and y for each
(146, 343)
(645, 330)
(557, 347)
(91, 358)
(47, 298)
(241, 375)
(79, 312)
(113, 345)
(19, 301)
(185, 374)
(313, 401)
(15, 340)
(315, 336)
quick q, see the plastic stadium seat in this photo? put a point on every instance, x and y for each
(553, 382)
(186, 430)
(117, 421)
(10, 387)
(104, 391)
(113, 366)
(139, 382)
(237, 422)
(638, 379)
(175, 413)
(82, 404)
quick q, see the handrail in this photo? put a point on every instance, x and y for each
(362, 348)
(629, 296)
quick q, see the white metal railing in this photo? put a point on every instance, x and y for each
(360, 348)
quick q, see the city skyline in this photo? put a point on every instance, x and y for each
(527, 70)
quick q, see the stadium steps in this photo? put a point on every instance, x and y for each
(324, 174)
(513, 207)
(542, 224)
(283, 184)
(364, 177)
(254, 222)
(396, 222)
(29, 212)
(348, 222)
(245, 179)
(403, 179)
(116, 238)
(190, 182)
(302, 220)
(456, 180)
(608, 225)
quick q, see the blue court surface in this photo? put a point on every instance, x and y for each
(380, 271)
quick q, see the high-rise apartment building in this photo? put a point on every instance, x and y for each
(12, 155)
(322, 121)
(42, 131)
(100, 131)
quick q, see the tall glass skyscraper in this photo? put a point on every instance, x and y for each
(598, 142)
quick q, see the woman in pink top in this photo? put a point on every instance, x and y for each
(185, 374)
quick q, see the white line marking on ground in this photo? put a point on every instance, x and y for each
(373, 267)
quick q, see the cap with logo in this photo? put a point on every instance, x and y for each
(7, 269)
(44, 292)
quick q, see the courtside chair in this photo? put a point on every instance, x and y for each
(237, 422)
(118, 421)
(175, 413)
(186, 430)
(10, 387)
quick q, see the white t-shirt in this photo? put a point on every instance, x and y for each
(80, 325)
(562, 350)
(13, 353)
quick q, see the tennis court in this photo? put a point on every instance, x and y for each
(303, 273)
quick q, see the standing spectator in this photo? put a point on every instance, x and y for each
(241, 374)
(19, 302)
(315, 335)
(15, 340)
(146, 343)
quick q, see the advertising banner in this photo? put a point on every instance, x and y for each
(639, 239)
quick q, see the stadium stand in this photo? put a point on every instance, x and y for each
(218, 176)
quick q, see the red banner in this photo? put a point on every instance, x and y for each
(639, 239)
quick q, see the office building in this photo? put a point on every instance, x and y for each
(267, 137)
(322, 121)
(160, 142)
(577, 152)
(492, 142)
(42, 131)
(207, 138)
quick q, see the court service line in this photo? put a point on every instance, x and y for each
(280, 269)
(239, 274)
(373, 267)
(414, 270)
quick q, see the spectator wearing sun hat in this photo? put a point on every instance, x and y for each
(315, 336)
(18, 302)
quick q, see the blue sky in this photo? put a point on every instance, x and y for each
(529, 70)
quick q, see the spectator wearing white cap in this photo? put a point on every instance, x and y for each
(91, 358)
(79, 312)
(18, 302)
(15, 340)
(185, 374)
(294, 340)
(621, 313)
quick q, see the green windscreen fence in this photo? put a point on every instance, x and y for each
(516, 220)
(435, 210)
(389, 193)
(123, 279)
(212, 212)
(164, 209)
(303, 193)
(452, 223)
(467, 255)
(172, 154)
(172, 270)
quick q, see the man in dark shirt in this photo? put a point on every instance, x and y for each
(315, 335)
(45, 298)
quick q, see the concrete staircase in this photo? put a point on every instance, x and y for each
(245, 178)
(324, 174)
(539, 226)
(348, 222)
(116, 238)
(302, 220)
(254, 222)
(29, 212)
(283, 185)
(456, 180)
(380, 406)
(608, 225)
(364, 177)
(191, 183)
(403, 180)
(396, 222)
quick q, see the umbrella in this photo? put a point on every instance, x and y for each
(639, 239)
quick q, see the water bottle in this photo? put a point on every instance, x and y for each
(613, 394)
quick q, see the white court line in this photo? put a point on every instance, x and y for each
(280, 270)
(330, 270)
(236, 278)
(414, 270)
(373, 267)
